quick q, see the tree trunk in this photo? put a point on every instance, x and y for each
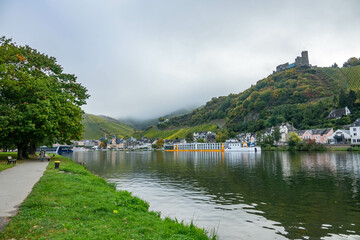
(25, 152)
(32, 148)
(22, 151)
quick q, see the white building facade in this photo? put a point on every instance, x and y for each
(355, 132)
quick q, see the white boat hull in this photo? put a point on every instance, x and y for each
(243, 149)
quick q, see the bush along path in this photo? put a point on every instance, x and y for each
(72, 203)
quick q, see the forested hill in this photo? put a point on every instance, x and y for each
(302, 96)
(99, 126)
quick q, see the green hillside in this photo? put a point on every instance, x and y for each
(98, 126)
(302, 96)
(180, 133)
(352, 75)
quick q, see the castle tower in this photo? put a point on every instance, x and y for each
(305, 58)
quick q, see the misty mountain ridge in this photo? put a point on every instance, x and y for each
(140, 124)
(302, 96)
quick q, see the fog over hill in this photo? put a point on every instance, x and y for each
(144, 59)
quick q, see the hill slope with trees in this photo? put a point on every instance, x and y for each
(301, 96)
(99, 126)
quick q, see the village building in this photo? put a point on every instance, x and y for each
(355, 132)
(86, 143)
(338, 113)
(207, 136)
(303, 134)
(246, 137)
(318, 135)
(285, 129)
(115, 143)
(340, 136)
(176, 141)
(131, 143)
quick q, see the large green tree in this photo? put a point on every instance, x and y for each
(39, 103)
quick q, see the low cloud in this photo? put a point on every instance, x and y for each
(144, 59)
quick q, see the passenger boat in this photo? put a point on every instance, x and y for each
(213, 147)
(241, 147)
(58, 150)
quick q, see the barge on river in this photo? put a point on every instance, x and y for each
(213, 147)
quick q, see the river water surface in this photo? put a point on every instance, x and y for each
(269, 195)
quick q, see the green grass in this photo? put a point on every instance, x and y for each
(3, 160)
(97, 126)
(177, 133)
(75, 204)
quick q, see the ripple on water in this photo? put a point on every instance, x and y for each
(245, 196)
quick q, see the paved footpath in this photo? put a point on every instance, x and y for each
(15, 185)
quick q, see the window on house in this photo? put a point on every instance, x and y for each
(358, 140)
(354, 134)
(354, 129)
(354, 140)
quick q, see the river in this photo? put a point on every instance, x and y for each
(268, 195)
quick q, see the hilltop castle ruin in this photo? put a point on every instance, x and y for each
(299, 62)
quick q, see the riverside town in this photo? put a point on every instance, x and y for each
(180, 120)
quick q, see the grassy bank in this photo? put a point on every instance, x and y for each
(3, 160)
(72, 203)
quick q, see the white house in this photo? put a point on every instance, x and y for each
(355, 132)
(285, 129)
(338, 113)
(340, 136)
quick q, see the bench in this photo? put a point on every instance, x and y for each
(11, 160)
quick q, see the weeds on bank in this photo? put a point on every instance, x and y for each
(72, 203)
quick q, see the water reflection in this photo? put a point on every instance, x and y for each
(269, 195)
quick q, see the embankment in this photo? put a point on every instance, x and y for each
(72, 203)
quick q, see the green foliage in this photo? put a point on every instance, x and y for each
(159, 143)
(294, 139)
(201, 140)
(268, 140)
(352, 75)
(98, 126)
(179, 133)
(103, 143)
(309, 145)
(276, 133)
(39, 103)
(352, 62)
(222, 136)
(189, 137)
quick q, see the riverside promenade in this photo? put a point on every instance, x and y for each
(16, 184)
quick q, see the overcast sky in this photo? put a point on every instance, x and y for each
(147, 58)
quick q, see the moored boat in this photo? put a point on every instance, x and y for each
(241, 147)
(213, 147)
